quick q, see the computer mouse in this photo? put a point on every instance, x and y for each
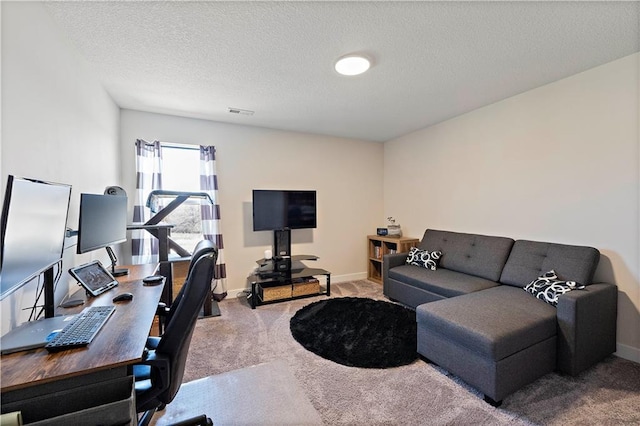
(123, 297)
(153, 280)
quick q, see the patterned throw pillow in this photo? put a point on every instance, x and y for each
(424, 258)
(548, 287)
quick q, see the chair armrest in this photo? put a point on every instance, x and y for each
(163, 313)
(158, 382)
(586, 327)
(162, 310)
(160, 368)
(152, 343)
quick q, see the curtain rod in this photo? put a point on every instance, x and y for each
(180, 146)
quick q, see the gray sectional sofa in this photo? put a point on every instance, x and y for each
(476, 321)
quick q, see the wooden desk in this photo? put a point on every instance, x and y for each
(119, 343)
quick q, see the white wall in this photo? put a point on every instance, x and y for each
(346, 173)
(560, 163)
(58, 124)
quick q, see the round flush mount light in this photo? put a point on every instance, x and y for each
(352, 64)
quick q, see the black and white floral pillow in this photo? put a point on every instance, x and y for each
(548, 287)
(424, 258)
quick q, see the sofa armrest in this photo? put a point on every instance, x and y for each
(586, 327)
(391, 261)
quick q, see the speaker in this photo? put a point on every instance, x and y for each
(282, 243)
(382, 231)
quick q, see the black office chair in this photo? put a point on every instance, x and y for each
(167, 361)
(165, 312)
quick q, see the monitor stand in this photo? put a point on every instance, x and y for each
(49, 293)
(116, 272)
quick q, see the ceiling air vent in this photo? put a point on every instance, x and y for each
(240, 111)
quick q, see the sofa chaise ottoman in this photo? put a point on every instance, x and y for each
(476, 321)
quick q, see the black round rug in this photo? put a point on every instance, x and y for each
(357, 332)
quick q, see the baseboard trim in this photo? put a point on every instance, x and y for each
(627, 352)
(348, 277)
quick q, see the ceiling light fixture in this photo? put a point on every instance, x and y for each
(352, 64)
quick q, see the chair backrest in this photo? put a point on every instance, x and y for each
(174, 343)
(203, 246)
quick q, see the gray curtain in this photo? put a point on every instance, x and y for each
(210, 215)
(144, 247)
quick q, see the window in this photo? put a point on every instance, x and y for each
(181, 172)
(178, 168)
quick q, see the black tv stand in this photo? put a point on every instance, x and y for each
(267, 264)
(270, 285)
(282, 243)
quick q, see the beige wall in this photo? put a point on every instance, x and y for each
(559, 163)
(346, 173)
(58, 124)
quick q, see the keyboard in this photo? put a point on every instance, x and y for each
(81, 330)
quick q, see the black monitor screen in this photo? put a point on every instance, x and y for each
(275, 209)
(103, 221)
(34, 220)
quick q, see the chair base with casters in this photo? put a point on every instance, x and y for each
(201, 420)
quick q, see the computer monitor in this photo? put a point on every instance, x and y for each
(102, 223)
(32, 232)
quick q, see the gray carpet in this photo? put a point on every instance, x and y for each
(415, 394)
(265, 394)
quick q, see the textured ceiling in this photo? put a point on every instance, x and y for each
(432, 60)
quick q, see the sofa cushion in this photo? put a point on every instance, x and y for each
(548, 287)
(442, 281)
(497, 322)
(530, 259)
(479, 255)
(423, 258)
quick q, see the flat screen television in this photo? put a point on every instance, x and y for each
(102, 223)
(283, 209)
(32, 230)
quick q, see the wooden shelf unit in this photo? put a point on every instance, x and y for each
(378, 247)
